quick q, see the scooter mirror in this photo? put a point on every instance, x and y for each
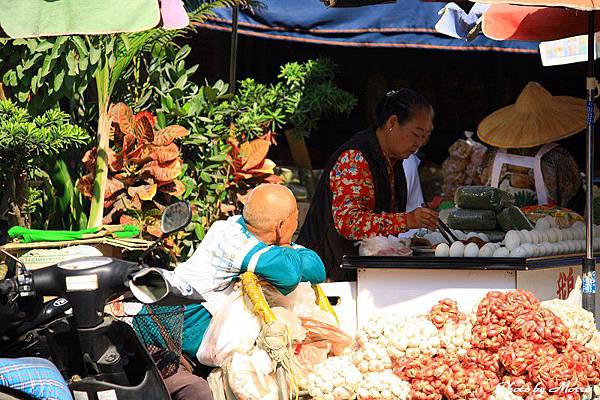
(175, 217)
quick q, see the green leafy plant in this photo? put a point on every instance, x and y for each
(25, 142)
(43, 72)
(310, 93)
(143, 163)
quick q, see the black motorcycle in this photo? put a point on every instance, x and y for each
(101, 357)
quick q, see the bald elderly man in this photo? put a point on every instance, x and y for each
(260, 241)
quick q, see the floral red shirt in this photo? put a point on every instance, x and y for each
(353, 200)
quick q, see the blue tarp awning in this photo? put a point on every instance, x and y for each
(403, 24)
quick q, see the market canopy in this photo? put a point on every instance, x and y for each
(34, 18)
(402, 24)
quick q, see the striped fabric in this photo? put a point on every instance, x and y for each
(35, 376)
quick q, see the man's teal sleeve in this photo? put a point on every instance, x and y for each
(281, 267)
(313, 270)
(285, 267)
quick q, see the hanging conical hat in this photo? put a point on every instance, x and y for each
(535, 119)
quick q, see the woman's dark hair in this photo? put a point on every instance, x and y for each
(401, 103)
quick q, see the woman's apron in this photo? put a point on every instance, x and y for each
(534, 163)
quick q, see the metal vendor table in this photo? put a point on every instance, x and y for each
(414, 284)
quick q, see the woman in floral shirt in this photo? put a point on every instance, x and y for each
(362, 192)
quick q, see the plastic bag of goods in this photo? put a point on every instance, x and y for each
(319, 331)
(233, 329)
(472, 220)
(335, 379)
(540, 326)
(475, 166)
(445, 310)
(511, 218)
(301, 302)
(382, 386)
(484, 359)
(482, 198)
(251, 376)
(428, 375)
(306, 356)
(471, 384)
(384, 246)
(460, 149)
(516, 357)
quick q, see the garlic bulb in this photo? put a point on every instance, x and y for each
(334, 379)
(371, 357)
(374, 331)
(580, 322)
(414, 337)
(455, 338)
(594, 342)
(382, 386)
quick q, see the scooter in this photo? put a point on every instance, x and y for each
(101, 357)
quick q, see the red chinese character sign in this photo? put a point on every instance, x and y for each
(564, 284)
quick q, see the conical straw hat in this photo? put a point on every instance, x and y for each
(535, 119)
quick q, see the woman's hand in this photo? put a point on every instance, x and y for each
(422, 218)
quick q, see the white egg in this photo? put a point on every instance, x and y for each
(522, 237)
(529, 249)
(512, 240)
(526, 236)
(582, 233)
(597, 244)
(543, 235)
(484, 237)
(471, 250)
(487, 250)
(542, 224)
(549, 249)
(540, 250)
(571, 246)
(519, 252)
(442, 250)
(551, 236)
(563, 247)
(582, 246)
(536, 236)
(501, 252)
(558, 233)
(567, 234)
(457, 249)
(459, 234)
(552, 221)
(578, 225)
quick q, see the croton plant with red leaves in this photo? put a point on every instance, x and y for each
(250, 166)
(143, 166)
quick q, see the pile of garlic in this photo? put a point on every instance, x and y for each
(382, 386)
(414, 337)
(377, 329)
(455, 337)
(580, 322)
(334, 379)
(594, 342)
(371, 357)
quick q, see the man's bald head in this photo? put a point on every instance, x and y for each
(267, 205)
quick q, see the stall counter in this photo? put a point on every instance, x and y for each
(412, 285)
